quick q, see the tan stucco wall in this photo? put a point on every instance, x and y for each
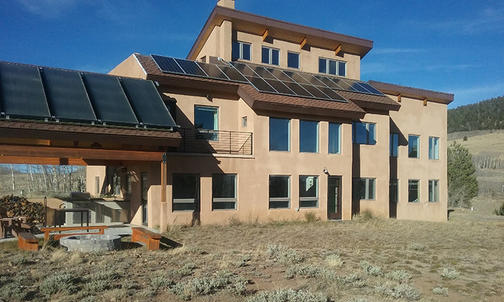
(91, 173)
(130, 68)
(431, 120)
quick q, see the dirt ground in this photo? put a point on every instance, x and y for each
(361, 260)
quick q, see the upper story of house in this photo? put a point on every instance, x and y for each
(234, 35)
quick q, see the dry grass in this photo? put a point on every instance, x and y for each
(456, 261)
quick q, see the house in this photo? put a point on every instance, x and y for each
(271, 122)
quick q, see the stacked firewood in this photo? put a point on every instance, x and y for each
(19, 206)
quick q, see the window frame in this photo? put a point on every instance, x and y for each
(418, 145)
(270, 55)
(241, 52)
(317, 141)
(208, 134)
(279, 199)
(367, 181)
(192, 201)
(368, 126)
(434, 193)
(288, 134)
(417, 200)
(309, 198)
(433, 149)
(298, 59)
(329, 151)
(394, 148)
(327, 66)
(222, 200)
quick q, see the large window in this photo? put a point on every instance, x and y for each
(332, 67)
(365, 188)
(433, 190)
(308, 136)
(185, 193)
(241, 51)
(364, 133)
(334, 137)
(308, 191)
(279, 191)
(207, 120)
(413, 190)
(413, 146)
(293, 59)
(279, 134)
(394, 190)
(433, 147)
(223, 191)
(394, 144)
(270, 56)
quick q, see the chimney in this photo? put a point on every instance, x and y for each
(226, 3)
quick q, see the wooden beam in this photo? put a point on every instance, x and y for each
(338, 49)
(303, 43)
(425, 102)
(79, 153)
(163, 178)
(265, 35)
(42, 161)
(399, 98)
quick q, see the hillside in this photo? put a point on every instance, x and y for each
(484, 115)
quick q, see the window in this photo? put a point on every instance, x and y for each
(433, 190)
(270, 55)
(144, 183)
(279, 133)
(223, 191)
(308, 136)
(364, 133)
(334, 137)
(279, 191)
(413, 190)
(365, 188)
(240, 51)
(97, 185)
(394, 190)
(332, 67)
(185, 193)
(308, 191)
(206, 118)
(413, 146)
(292, 60)
(394, 144)
(433, 147)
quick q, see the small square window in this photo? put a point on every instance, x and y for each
(364, 133)
(308, 191)
(333, 67)
(223, 192)
(279, 132)
(364, 188)
(270, 56)
(240, 50)
(433, 190)
(413, 190)
(322, 65)
(293, 60)
(279, 191)
(413, 146)
(185, 192)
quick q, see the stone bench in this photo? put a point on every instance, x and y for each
(27, 242)
(150, 239)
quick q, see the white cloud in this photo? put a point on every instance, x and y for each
(468, 95)
(48, 8)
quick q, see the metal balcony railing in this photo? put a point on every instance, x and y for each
(215, 141)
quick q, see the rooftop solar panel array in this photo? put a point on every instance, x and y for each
(268, 79)
(32, 92)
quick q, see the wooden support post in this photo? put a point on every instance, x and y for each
(163, 178)
(338, 49)
(265, 35)
(399, 98)
(425, 102)
(303, 43)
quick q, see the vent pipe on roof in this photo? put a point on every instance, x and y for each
(226, 3)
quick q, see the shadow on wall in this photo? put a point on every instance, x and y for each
(394, 165)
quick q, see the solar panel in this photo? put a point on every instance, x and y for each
(190, 67)
(370, 88)
(213, 71)
(261, 84)
(147, 103)
(331, 93)
(21, 91)
(263, 72)
(244, 69)
(167, 64)
(110, 102)
(315, 91)
(328, 82)
(344, 85)
(279, 74)
(66, 95)
(354, 85)
(280, 87)
(298, 90)
(296, 77)
(313, 80)
(233, 74)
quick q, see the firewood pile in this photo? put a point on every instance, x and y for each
(19, 206)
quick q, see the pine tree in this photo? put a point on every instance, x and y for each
(462, 183)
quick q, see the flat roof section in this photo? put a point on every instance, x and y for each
(417, 93)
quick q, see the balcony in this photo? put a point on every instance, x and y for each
(216, 141)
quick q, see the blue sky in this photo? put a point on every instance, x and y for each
(452, 46)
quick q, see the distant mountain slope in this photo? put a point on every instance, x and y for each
(484, 115)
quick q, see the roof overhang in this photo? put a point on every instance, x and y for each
(416, 93)
(255, 24)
